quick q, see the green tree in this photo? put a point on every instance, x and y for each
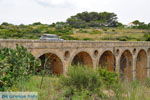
(140, 25)
(136, 22)
(77, 23)
(5, 24)
(108, 19)
(37, 23)
(93, 19)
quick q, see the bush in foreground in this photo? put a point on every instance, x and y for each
(15, 65)
(85, 82)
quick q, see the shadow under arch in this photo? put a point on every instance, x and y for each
(51, 63)
(126, 65)
(82, 58)
(141, 65)
(108, 60)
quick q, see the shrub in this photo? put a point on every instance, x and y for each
(124, 38)
(108, 78)
(83, 30)
(64, 31)
(147, 36)
(87, 39)
(96, 32)
(104, 29)
(108, 38)
(87, 81)
(81, 77)
(66, 37)
(15, 65)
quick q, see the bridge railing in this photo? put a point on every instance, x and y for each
(70, 43)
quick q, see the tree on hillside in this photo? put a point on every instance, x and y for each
(37, 23)
(93, 19)
(77, 23)
(109, 19)
(137, 23)
(140, 25)
(5, 24)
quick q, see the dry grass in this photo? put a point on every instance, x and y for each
(110, 34)
(52, 90)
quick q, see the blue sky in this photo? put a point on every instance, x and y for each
(48, 11)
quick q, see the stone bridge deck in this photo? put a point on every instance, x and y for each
(130, 59)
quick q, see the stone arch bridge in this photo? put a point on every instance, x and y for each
(130, 59)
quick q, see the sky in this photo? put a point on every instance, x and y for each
(49, 11)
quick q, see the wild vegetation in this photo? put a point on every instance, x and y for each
(83, 83)
(93, 19)
(15, 65)
(82, 26)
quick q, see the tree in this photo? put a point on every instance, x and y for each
(5, 24)
(93, 19)
(77, 23)
(140, 25)
(137, 23)
(108, 19)
(37, 23)
(119, 24)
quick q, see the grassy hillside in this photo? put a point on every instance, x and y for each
(110, 34)
(66, 32)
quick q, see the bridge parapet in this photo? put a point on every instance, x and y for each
(70, 44)
(129, 58)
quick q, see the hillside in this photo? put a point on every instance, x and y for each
(9, 31)
(110, 34)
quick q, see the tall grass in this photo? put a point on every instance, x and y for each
(50, 90)
(83, 83)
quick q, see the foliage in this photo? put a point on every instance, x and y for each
(83, 30)
(80, 77)
(53, 89)
(93, 19)
(140, 25)
(87, 39)
(66, 37)
(147, 36)
(109, 78)
(50, 90)
(95, 32)
(137, 23)
(83, 80)
(37, 23)
(15, 65)
(33, 31)
(123, 38)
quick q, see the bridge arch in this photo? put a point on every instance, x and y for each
(52, 63)
(141, 65)
(107, 59)
(126, 65)
(82, 58)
